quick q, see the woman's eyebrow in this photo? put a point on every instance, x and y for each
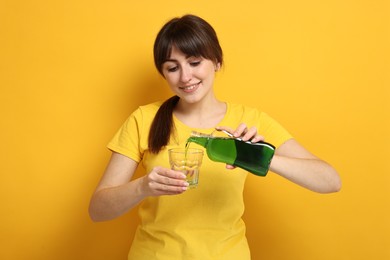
(174, 60)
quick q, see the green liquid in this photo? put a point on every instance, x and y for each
(253, 157)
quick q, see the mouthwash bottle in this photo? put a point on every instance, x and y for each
(253, 157)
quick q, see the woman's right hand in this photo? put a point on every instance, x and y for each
(164, 181)
(116, 193)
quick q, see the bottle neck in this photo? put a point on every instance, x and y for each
(199, 134)
(199, 138)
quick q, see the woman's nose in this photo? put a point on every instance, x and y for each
(186, 74)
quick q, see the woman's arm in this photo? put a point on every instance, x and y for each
(116, 194)
(293, 162)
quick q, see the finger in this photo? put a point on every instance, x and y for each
(174, 182)
(257, 138)
(250, 134)
(167, 181)
(224, 128)
(230, 167)
(241, 130)
(164, 189)
(170, 173)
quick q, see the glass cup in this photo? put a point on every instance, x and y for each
(188, 161)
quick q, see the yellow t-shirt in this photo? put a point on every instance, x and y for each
(202, 223)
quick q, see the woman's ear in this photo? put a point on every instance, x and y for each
(217, 66)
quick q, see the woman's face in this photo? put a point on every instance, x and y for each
(190, 78)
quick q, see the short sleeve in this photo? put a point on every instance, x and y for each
(127, 139)
(273, 132)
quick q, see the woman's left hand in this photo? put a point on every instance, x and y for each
(244, 133)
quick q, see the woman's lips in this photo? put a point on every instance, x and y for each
(190, 88)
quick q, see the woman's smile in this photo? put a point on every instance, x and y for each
(190, 88)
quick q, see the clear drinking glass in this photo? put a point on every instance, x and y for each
(188, 161)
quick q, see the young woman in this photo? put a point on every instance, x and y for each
(201, 223)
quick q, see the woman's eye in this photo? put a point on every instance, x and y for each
(172, 69)
(194, 63)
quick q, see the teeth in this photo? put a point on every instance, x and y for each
(190, 87)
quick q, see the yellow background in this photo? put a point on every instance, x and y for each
(72, 71)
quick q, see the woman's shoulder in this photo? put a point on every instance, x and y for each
(148, 109)
(152, 106)
(145, 113)
(244, 110)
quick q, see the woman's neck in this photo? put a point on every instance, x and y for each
(205, 114)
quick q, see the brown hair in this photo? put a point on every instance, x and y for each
(193, 36)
